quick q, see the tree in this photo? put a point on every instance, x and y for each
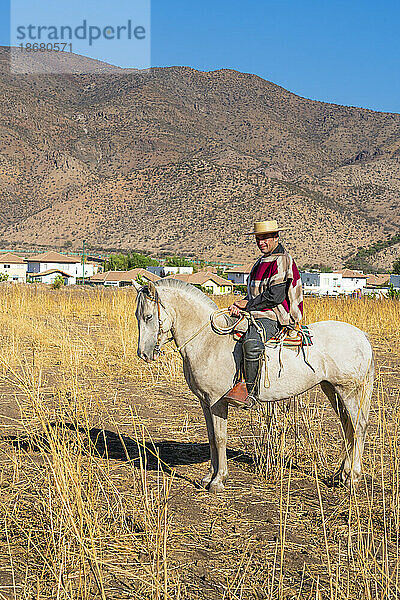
(396, 266)
(178, 261)
(393, 293)
(58, 282)
(3, 276)
(124, 261)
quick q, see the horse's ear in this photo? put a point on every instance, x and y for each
(152, 290)
(136, 285)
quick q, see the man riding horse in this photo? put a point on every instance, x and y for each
(274, 299)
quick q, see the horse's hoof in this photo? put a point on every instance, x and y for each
(350, 482)
(206, 481)
(216, 487)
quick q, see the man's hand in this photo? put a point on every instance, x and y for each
(236, 308)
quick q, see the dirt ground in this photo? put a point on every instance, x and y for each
(285, 536)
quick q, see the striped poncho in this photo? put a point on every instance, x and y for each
(274, 288)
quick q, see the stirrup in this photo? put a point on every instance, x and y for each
(239, 397)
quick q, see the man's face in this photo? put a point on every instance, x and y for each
(267, 242)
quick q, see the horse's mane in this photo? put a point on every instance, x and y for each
(188, 289)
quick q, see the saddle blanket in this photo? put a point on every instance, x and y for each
(291, 338)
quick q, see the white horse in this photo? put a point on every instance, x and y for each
(341, 358)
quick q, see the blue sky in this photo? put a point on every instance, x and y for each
(336, 51)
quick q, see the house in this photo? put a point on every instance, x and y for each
(122, 278)
(210, 282)
(310, 281)
(177, 270)
(395, 281)
(14, 266)
(71, 266)
(138, 274)
(51, 275)
(91, 267)
(352, 281)
(238, 275)
(377, 285)
(330, 284)
(156, 270)
(321, 284)
(375, 280)
(163, 271)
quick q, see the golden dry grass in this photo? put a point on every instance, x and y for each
(88, 511)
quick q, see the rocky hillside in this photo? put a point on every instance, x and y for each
(177, 160)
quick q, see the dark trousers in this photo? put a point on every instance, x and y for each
(253, 347)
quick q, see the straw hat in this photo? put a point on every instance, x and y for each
(265, 227)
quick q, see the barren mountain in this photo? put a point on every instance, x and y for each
(178, 160)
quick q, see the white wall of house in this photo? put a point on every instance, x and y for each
(70, 268)
(112, 283)
(351, 284)
(213, 288)
(330, 284)
(16, 272)
(38, 267)
(89, 270)
(50, 278)
(375, 292)
(176, 270)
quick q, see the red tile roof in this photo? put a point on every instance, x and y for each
(119, 276)
(9, 258)
(353, 274)
(375, 279)
(241, 269)
(200, 278)
(49, 271)
(53, 257)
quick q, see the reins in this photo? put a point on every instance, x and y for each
(196, 333)
(217, 328)
(157, 347)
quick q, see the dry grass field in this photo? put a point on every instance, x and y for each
(100, 455)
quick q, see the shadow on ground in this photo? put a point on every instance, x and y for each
(108, 444)
(153, 456)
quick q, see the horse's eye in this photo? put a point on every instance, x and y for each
(148, 318)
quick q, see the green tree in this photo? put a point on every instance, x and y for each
(121, 261)
(178, 261)
(396, 266)
(392, 293)
(58, 282)
(3, 276)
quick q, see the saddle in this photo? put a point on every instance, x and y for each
(292, 338)
(287, 337)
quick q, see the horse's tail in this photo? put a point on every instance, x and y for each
(366, 387)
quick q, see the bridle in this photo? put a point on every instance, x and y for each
(157, 348)
(156, 299)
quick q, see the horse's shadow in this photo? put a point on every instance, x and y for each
(151, 456)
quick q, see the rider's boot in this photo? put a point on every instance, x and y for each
(244, 394)
(239, 396)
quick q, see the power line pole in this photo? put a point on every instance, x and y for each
(83, 263)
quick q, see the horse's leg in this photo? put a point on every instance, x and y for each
(219, 413)
(351, 403)
(339, 409)
(213, 468)
(356, 399)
